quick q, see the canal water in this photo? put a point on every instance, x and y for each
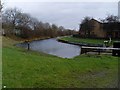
(53, 47)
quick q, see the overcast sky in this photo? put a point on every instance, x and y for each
(68, 14)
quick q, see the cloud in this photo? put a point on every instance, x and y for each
(67, 14)
(61, 0)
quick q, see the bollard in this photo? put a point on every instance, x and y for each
(116, 45)
(28, 46)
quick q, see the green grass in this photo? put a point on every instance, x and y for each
(83, 40)
(28, 69)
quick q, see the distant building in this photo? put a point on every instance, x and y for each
(101, 30)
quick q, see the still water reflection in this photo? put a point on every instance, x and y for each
(53, 47)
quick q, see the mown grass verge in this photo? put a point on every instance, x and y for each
(29, 69)
(86, 40)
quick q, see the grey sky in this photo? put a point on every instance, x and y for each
(67, 14)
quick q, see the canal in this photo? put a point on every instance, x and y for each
(53, 47)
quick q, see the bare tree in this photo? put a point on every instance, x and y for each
(1, 6)
(54, 30)
(14, 21)
(86, 25)
(61, 28)
(23, 20)
(11, 16)
(111, 18)
(86, 19)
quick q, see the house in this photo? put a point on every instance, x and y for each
(112, 29)
(97, 29)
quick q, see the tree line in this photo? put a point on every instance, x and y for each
(19, 24)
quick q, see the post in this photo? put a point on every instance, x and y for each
(28, 45)
(110, 40)
(116, 44)
(98, 51)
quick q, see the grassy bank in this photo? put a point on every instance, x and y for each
(82, 40)
(22, 68)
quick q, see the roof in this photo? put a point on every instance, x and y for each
(96, 20)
